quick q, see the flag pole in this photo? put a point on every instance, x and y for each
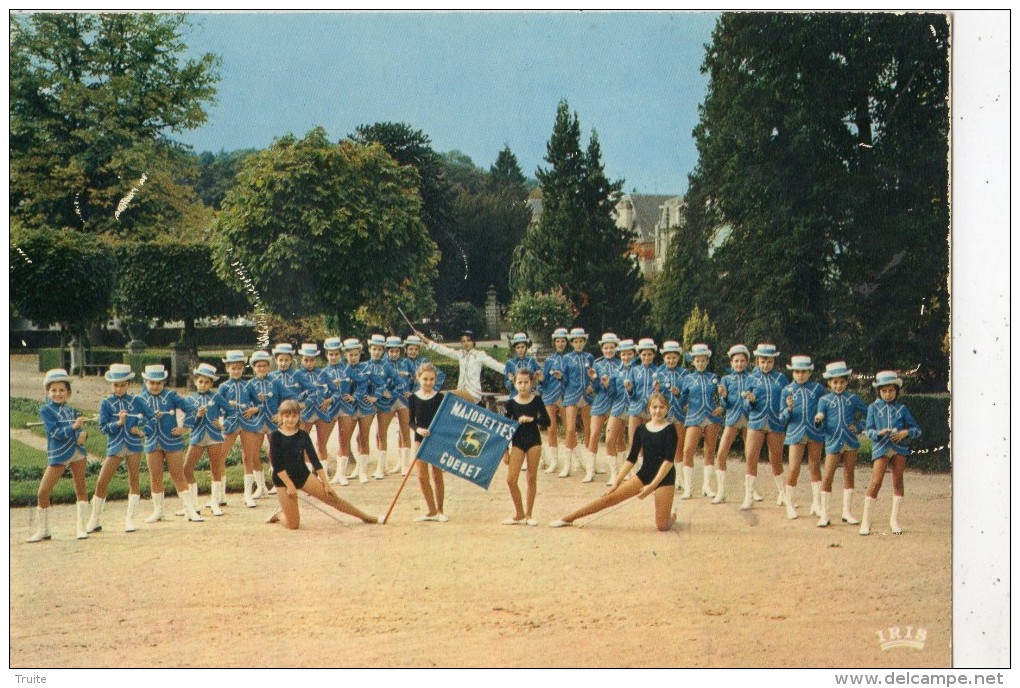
(606, 512)
(414, 466)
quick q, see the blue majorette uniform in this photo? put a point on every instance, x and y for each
(164, 407)
(642, 384)
(232, 392)
(668, 378)
(700, 395)
(120, 440)
(621, 403)
(61, 439)
(400, 379)
(801, 420)
(840, 413)
(264, 394)
(895, 417)
(605, 393)
(736, 385)
(576, 382)
(411, 365)
(381, 383)
(360, 375)
(763, 414)
(310, 393)
(298, 383)
(335, 384)
(204, 429)
(551, 388)
(513, 365)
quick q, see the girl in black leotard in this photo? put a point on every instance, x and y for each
(423, 405)
(656, 442)
(528, 409)
(289, 446)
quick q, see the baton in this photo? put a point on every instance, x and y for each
(413, 328)
(606, 512)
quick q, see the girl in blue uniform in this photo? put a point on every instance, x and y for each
(888, 426)
(551, 391)
(64, 440)
(577, 397)
(640, 383)
(307, 380)
(704, 418)
(402, 385)
(203, 419)
(163, 442)
(359, 373)
(262, 397)
(602, 376)
(799, 407)
(413, 359)
(838, 413)
(619, 414)
(333, 409)
(669, 380)
(528, 410)
(764, 427)
(381, 379)
(232, 392)
(122, 419)
(655, 441)
(519, 345)
(296, 380)
(733, 390)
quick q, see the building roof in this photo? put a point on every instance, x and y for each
(646, 214)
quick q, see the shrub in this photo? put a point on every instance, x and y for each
(460, 316)
(539, 313)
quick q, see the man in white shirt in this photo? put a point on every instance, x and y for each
(469, 385)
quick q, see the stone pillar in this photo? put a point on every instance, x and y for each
(179, 368)
(77, 357)
(492, 319)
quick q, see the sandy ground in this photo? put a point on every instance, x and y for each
(725, 588)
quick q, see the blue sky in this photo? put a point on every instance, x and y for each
(471, 81)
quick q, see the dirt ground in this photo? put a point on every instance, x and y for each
(725, 588)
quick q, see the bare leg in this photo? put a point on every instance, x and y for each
(106, 473)
(513, 474)
(78, 476)
(315, 488)
(533, 457)
(440, 488)
(878, 469)
(154, 460)
(134, 464)
(49, 480)
(729, 435)
(899, 463)
(627, 489)
(426, 487)
(664, 516)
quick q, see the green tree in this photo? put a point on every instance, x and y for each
(822, 186)
(462, 173)
(505, 175)
(322, 228)
(62, 277)
(89, 92)
(576, 245)
(217, 173)
(699, 329)
(173, 278)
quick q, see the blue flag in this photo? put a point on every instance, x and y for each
(467, 440)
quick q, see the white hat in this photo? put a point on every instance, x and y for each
(350, 344)
(887, 377)
(119, 372)
(800, 363)
(332, 344)
(377, 340)
(283, 348)
(626, 345)
(766, 351)
(836, 369)
(671, 347)
(413, 340)
(560, 333)
(206, 370)
(155, 372)
(257, 356)
(578, 333)
(609, 338)
(700, 350)
(646, 343)
(519, 338)
(55, 375)
(235, 356)
(394, 343)
(308, 349)
(737, 349)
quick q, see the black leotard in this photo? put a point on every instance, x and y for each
(422, 411)
(655, 447)
(527, 435)
(287, 453)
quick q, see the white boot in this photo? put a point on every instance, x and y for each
(823, 519)
(258, 483)
(848, 498)
(157, 508)
(399, 465)
(588, 458)
(748, 492)
(188, 499)
(81, 508)
(249, 490)
(380, 464)
(97, 514)
(599, 469)
(268, 488)
(363, 469)
(193, 489)
(566, 458)
(757, 496)
(223, 491)
(688, 472)
(354, 469)
(720, 487)
(132, 507)
(552, 458)
(215, 488)
(706, 481)
(405, 460)
(340, 477)
(894, 517)
(791, 510)
(780, 489)
(816, 500)
(42, 531)
(329, 465)
(611, 464)
(866, 516)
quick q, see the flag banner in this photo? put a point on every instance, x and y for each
(467, 440)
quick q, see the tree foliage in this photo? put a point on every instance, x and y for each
(322, 228)
(93, 100)
(576, 245)
(818, 212)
